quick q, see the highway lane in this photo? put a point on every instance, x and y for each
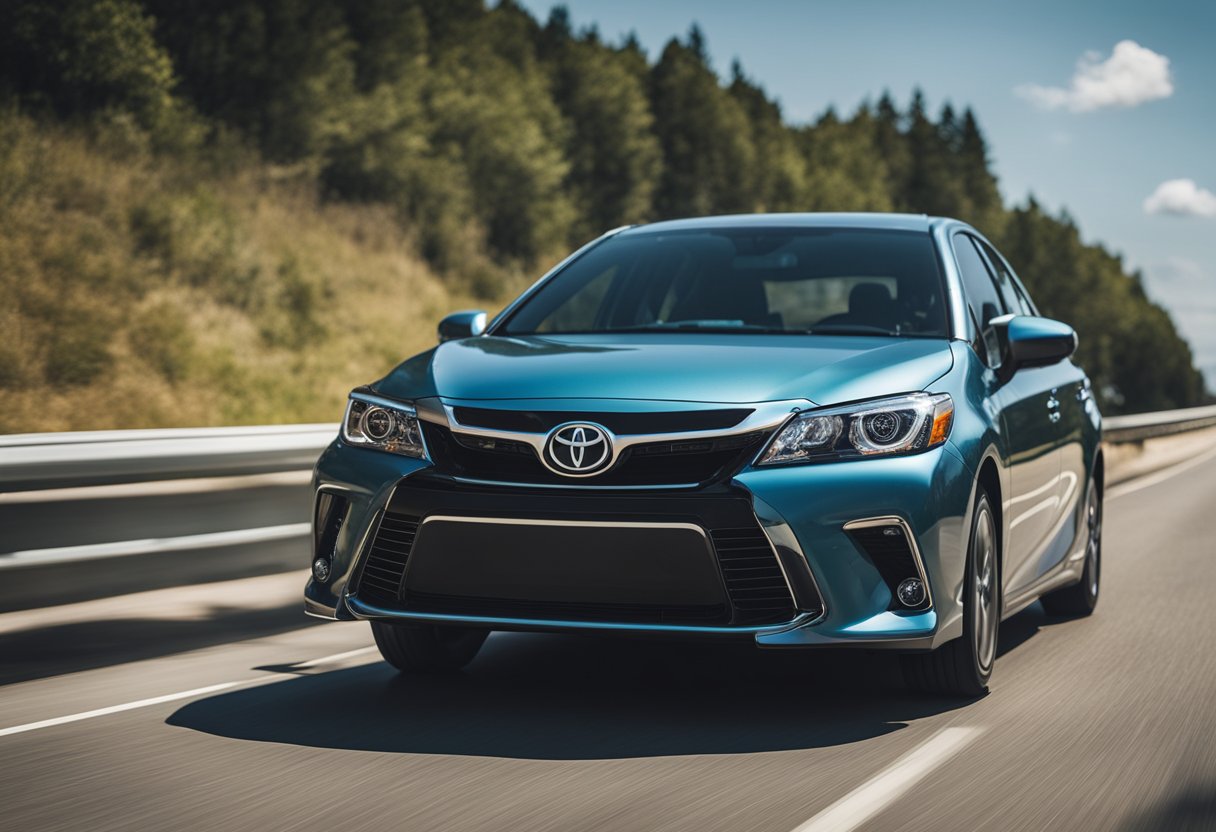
(1103, 723)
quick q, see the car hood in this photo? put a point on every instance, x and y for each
(688, 367)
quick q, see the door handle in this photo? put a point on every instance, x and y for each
(1053, 407)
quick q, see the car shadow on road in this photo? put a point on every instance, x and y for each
(566, 698)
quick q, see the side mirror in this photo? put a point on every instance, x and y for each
(463, 324)
(1027, 341)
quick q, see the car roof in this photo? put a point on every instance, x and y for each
(894, 222)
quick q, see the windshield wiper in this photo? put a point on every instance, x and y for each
(851, 329)
(700, 326)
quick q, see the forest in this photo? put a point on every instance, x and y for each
(233, 211)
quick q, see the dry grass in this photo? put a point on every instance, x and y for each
(137, 291)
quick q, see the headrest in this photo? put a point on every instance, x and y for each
(868, 298)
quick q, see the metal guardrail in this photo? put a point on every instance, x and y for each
(61, 573)
(1141, 426)
(35, 461)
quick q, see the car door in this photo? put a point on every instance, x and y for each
(1068, 391)
(1027, 423)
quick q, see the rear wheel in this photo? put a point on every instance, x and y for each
(963, 667)
(1081, 598)
(425, 648)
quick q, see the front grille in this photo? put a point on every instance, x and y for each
(384, 566)
(754, 583)
(888, 549)
(543, 421)
(696, 462)
(753, 579)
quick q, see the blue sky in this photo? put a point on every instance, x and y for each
(1100, 162)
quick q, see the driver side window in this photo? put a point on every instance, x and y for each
(983, 299)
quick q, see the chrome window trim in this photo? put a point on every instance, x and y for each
(943, 235)
(913, 545)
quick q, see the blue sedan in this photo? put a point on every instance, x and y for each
(802, 430)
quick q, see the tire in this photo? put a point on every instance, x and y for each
(1081, 598)
(962, 667)
(425, 648)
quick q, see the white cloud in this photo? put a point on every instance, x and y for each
(1181, 197)
(1130, 76)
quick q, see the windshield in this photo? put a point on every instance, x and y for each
(745, 280)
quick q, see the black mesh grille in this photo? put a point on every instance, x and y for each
(753, 579)
(697, 462)
(888, 549)
(384, 566)
(542, 421)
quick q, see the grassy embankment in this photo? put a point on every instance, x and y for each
(141, 290)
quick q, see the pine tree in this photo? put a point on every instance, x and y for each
(704, 134)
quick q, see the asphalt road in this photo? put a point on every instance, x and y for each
(1102, 723)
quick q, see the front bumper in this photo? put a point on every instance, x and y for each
(839, 596)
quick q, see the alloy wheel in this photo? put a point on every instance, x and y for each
(985, 606)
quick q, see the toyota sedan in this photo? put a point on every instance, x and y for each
(801, 430)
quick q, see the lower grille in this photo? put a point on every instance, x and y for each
(754, 581)
(384, 566)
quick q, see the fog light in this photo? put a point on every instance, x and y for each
(911, 592)
(320, 570)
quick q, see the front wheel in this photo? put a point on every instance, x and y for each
(963, 667)
(425, 648)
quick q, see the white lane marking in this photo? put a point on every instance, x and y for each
(114, 709)
(173, 697)
(152, 545)
(1160, 476)
(889, 785)
(160, 488)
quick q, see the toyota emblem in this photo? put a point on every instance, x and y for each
(578, 449)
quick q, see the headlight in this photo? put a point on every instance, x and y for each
(372, 422)
(899, 425)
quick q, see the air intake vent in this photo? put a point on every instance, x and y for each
(754, 581)
(384, 566)
(888, 548)
(331, 511)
